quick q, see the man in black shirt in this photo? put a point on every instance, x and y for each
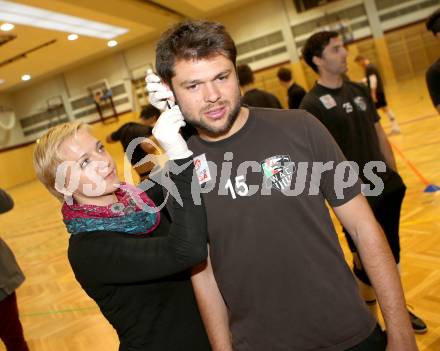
(349, 113)
(433, 73)
(375, 84)
(295, 92)
(251, 95)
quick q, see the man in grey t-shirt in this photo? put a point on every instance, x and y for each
(276, 278)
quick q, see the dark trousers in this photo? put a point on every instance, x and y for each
(377, 341)
(386, 208)
(11, 331)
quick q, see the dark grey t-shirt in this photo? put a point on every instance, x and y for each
(276, 258)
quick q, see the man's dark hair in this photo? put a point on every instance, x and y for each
(433, 22)
(315, 45)
(192, 40)
(284, 74)
(245, 75)
(149, 111)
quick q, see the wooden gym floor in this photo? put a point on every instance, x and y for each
(58, 316)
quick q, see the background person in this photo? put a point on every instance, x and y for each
(295, 92)
(348, 112)
(251, 95)
(375, 84)
(132, 130)
(11, 277)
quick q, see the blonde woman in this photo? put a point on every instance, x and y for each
(127, 257)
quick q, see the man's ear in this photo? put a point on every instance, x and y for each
(168, 85)
(317, 61)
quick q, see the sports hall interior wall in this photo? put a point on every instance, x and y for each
(411, 50)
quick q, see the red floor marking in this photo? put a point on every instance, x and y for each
(410, 165)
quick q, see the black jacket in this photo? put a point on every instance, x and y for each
(11, 276)
(140, 283)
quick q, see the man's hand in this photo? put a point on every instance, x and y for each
(159, 94)
(385, 147)
(378, 261)
(401, 344)
(166, 132)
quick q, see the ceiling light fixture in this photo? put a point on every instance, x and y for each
(6, 27)
(2, 81)
(72, 37)
(26, 77)
(112, 43)
(37, 17)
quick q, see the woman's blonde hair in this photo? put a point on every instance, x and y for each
(46, 156)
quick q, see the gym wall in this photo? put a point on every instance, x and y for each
(258, 32)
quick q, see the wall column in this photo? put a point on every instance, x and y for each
(379, 41)
(299, 76)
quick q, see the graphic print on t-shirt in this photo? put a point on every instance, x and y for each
(360, 103)
(278, 171)
(348, 107)
(328, 101)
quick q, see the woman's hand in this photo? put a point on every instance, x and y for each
(159, 94)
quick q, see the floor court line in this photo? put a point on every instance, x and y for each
(52, 312)
(416, 119)
(421, 146)
(411, 165)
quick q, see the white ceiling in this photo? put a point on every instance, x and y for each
(145, 19)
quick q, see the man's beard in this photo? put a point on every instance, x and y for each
(201, 125)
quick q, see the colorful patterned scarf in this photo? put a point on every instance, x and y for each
(134, 213)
